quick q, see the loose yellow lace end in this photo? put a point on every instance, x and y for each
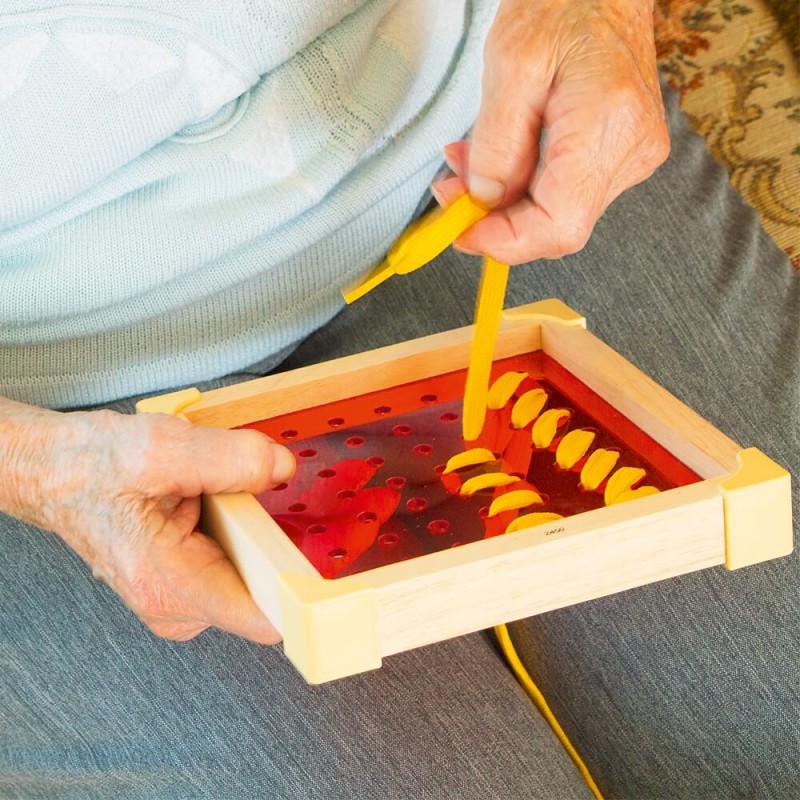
(537, 698)
(420, 243)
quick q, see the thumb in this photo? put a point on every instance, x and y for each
(504, 143)
(241, 460)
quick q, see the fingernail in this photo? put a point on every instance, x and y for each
(437, 194)
(283, 463)
(466, 250)
(449, 155)
(487, 191)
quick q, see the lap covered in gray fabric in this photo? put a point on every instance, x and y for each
(686, 688)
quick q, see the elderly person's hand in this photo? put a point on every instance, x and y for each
(571, 116)
(124, 492)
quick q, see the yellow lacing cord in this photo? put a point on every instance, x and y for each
(422, 242)
(537, 698)
(488, 313)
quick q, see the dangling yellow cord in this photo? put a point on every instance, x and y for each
(488, 312)
(537, 698)
(422, 242)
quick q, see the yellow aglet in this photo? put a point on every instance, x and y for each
(621, 481)
(469, 458)
(544, 429)
(633, 494)
(528, 407)
(420, 243)
(597, 467)
(573, 447)
(530, 520)
(489, 480)
(502, 390)
(511, 501)
(488, 311)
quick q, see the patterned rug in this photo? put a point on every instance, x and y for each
(736, 66)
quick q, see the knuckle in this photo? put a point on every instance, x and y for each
(256, 456)
(660, 146)
(572, 235)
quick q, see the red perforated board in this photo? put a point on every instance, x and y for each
(369, 488)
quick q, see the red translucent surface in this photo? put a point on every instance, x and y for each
(370, 489)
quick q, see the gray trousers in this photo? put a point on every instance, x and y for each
(682, 689)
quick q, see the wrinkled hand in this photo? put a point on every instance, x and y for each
(571, 116)
(124, 492)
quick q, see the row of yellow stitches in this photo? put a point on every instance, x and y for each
(598, 467)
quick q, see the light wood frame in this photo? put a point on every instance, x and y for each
(739, 514)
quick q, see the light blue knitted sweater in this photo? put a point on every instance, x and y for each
(185, 187)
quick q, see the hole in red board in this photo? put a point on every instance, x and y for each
(423, 449)
(336, 422)
(483, 512)
(355, 441)
(375, 461)
(449, 416)
(326, 473)
(280, 487)
(402, 430)
(382, 411)
(439, 469)
(438, 526)
(337, 554)
(417, 504)
(312, 529)
(388, 539)
(346, 494)
(397, 482)
(428, 399)
(308, 453)
(367, 516)
(290, 434)
(296, 508)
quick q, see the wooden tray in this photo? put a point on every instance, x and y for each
(730, 506)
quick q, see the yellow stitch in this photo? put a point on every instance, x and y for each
(502, 390)
(529, 520)
(489, 480)
(488, 311)
(544, 429)
(597, 466)
(633, 494)
(528, 407)
(469, 458)
(513, 500)
(621, 481)
(573, 447)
